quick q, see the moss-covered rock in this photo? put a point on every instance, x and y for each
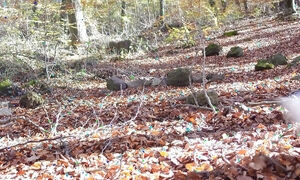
(201, 98)
(235, 52)
(4, 85)
(213, 49)
(278, 59)
(115, 84)
(230, 33)
(178, 77)
(263, 65)
(31, 100)
(295, 61)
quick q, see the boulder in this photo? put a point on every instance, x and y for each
(178, 77)
(115, 84)
(118, 47)
(201, 98)
(7, 88)
(31, 100)
(263, 65)
(211, 77)
(5, 84)
(136, 83)
(278, 59)
(235, 52)
(156, 81)
(4, 109)
(295, 61)
(213, 49)
(230, 33)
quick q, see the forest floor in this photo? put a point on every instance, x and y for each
(84, 131)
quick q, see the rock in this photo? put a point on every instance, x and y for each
(197, 78)
(263, 65)
(230, 33)
(213, 49)
(118, 47)
(201, 98)
(295, 61)
(4, 85)
(31, 100)
(4, 109)
(296, 78)
(211, 77)
(136, 83)
(178, 77)
(278, 59)
(115, 84)
(7, 88)
(235, 52)
(156, 81)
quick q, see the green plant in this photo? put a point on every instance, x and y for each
(182, 36)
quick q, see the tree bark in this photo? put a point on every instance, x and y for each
(162, 9)
(123, 8)
(77, 28)
(245, 2)
(82, 35)
(291, 6)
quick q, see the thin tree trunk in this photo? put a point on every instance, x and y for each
(82, 35)
(245, 2)
(77, 26)
(162, 9)
(72, 23)
(224, 5)
(123, 8)
(237, 2)
(291, 6)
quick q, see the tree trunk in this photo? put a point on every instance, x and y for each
(162, 9)
(82, 35)
(291, 6)
(245, 2)
(237, 2)
(77, 28)
(72, 22)
(224, 5)
(123, 7)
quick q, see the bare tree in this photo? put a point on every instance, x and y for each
(77, 26)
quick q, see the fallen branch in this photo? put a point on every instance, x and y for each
(36, 141)
(263, 103)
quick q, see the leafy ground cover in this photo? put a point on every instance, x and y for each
(84, 131)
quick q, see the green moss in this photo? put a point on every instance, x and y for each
(230, 33)
(213, 49)
(278, 59)
(5, 84)
(235, 52)
(263, 65)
